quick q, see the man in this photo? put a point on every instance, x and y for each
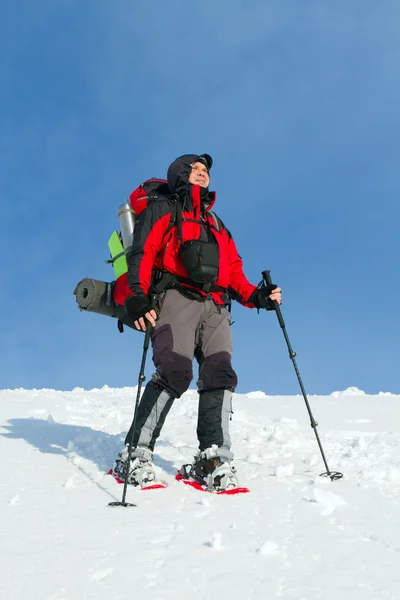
(180, 237)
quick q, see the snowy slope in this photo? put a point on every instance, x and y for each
(296, 536)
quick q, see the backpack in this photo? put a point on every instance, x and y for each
(137, 202)
(147, 192)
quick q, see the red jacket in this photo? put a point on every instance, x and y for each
(156, 244)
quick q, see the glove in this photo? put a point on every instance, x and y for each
(260, 298)
(136, 306)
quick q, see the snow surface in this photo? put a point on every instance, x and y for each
(296, 536)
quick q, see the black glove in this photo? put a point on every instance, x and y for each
(137, 306)
(260, 298)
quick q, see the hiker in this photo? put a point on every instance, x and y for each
(198, 258)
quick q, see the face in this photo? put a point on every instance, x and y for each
(199, 175)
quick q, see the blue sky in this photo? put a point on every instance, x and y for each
(297, 102)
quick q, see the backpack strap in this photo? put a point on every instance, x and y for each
(176, 215)
(215, 219)
(179, 221)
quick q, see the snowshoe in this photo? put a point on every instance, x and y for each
(141, 469)
(214, 473)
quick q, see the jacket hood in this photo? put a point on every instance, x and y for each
(179, 171)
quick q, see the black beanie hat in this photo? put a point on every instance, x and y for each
(206, 160)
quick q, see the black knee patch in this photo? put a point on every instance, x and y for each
(216, 372)
(174, 371)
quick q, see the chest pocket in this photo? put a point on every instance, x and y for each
(200, 259)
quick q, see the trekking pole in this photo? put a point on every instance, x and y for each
(333, 475)
(141, 379)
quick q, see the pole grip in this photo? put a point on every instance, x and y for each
(267, 276)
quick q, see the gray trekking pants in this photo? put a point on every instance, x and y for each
(186, 329)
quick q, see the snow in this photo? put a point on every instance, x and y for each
(296, 536)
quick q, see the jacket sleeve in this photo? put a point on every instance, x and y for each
(149, 234)
(240, 288)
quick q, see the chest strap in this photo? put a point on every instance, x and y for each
(165, 280)
(204, 287)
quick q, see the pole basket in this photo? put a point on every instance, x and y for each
(333, 475)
